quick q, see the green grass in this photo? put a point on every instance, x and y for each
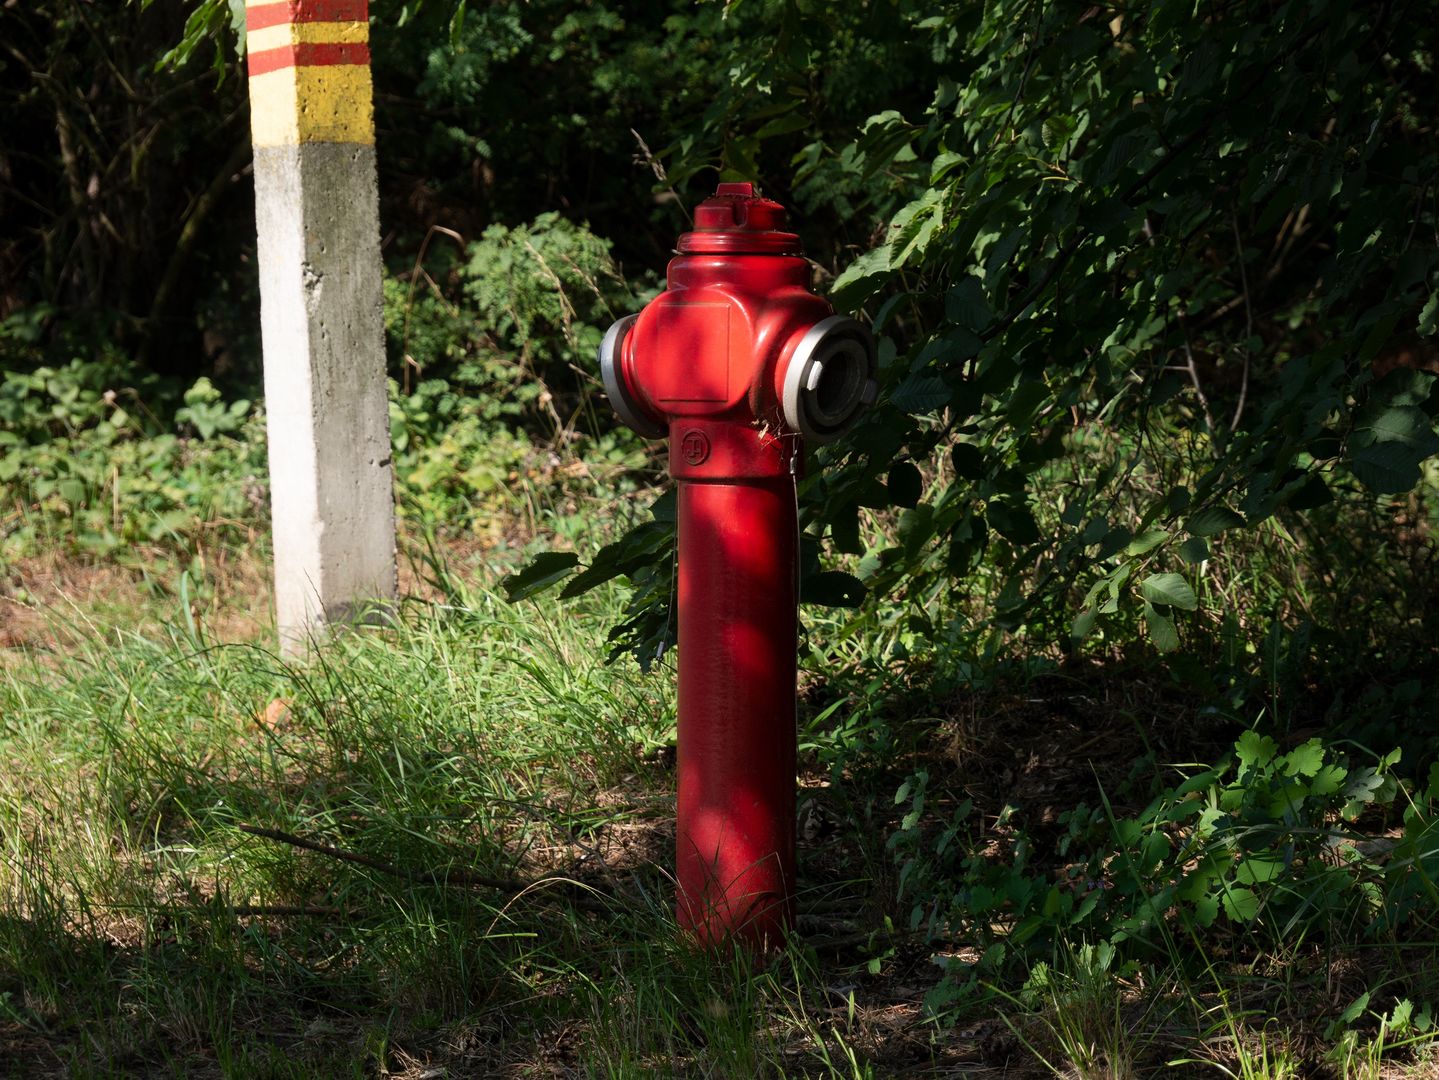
(494, 806)
(479, 742)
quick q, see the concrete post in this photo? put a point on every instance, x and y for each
(317, 215)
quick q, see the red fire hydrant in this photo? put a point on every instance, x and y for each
(740, 364)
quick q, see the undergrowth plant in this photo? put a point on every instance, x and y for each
(98, 458)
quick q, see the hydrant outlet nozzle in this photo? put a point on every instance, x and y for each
(611, 359)
(829, 379)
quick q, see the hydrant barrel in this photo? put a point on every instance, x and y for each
(737, 630)
(740, 364)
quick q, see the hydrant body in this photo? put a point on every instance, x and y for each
(739, 363)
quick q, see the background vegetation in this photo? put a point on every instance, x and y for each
(1123, 761)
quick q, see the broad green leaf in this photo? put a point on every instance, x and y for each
(1429, 315)
(1156, 847)
(832, 588)
(1147, 541)
(1162, 631)
(861, 278)
(1197, 782)
(1212, 520)
(544, 570)
(1257, 871)
(1402, 1016)
(1206, 910)
(1255, 750)
(1389, 468)
(965, 304)
(1389, 444)
(1285, 802)
(1305, 760)
(1407, 424)
(968, 461)
(920, 394)
(1240, 904)
(905, 484)
(1194, 551)
(1328, 780)
(1014, 521)
(844, 530)
(1170, 589)
(1355, 1009)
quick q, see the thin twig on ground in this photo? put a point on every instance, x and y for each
(455, 876)
(1248, 324)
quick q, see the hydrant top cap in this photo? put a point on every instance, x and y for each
(736, 221)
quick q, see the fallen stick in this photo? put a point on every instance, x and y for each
(456, 876)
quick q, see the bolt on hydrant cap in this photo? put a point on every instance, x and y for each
(736, 221)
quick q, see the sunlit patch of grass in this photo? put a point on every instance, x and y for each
(478, 785)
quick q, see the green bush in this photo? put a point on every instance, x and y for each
(1264, 843)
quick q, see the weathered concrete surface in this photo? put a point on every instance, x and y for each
(331, 484)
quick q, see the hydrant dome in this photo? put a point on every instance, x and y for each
(736, 221)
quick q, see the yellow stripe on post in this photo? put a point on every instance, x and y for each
(329, 103)
(273, 37)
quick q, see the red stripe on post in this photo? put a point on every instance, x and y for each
(309, 54)
(301, 11)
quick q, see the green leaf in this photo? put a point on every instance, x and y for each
(1329, 780)
(969, 461)
(1146, 542)
(1156, 847)
(1256, 871)
(1408, 424)
(72, 491)
(1194, 551)
(1429, 315)
(844, 530)
(905, 484)
(1197, 782)
(920, 394)
(1355, 1009)
(965, 304)
(238, 24)
(1240, 904)
(1305, 760)
(832, 588)
(1162, 631)
(544, 570)
(1170, 589)
(1254, 749)
(1206, 910)
(1014, 521)
(1389, 444)
(861, 278)
(1212, 520)
(1402, 1016)
(1390, 468)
